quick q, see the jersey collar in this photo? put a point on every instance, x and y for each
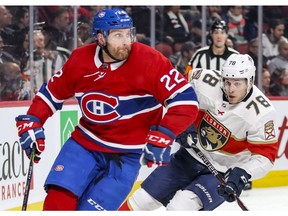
(98, 62)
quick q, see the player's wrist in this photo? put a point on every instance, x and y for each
(25, 123)
(160, 136)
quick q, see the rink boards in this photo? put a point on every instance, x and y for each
(58, 128)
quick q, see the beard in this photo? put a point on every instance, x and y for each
(120, 52)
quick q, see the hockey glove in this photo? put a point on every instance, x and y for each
(158, 147)
(182, 138)
(31, 133)
(236, 179)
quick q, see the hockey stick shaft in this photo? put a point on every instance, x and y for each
(213, 170)
(29, 178)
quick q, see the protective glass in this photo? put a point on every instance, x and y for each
(122, 36)
(236, 84)
(12, 89)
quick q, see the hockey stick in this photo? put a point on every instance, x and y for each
(29, 178)
(213, 170)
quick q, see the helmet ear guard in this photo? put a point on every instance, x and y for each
(102, 40)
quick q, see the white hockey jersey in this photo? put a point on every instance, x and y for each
(234, 135)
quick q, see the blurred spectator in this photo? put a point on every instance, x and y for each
(44, 61)
(45, 14)
(279, 86)
(281, 60)
(191, 14)
(6, 32)
(39, 46)
(214, 55)
(141, 20)
(10, 82)
(20, 50)
(84, 15)
(4, 56)
(58, 38)
(266, 80)
(271, 38)
(142, 24)
(43, 58)
(84, 34)
(236, 22)
(213, 13)
(271, 12)
(253, 52)
(61, 52)
(284, 16)
(21, 19)
(94, 9)
(196, 32)
(59, 31)
(180, 59)
(230, 43)
(175, 24)
(251, 25)
(84, 29)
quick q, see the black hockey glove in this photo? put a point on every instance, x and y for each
(236, 179)
(182, 138)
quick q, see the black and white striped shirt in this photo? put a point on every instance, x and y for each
(205, 58)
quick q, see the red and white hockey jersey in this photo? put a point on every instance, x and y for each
(234, 135)
(119, 101)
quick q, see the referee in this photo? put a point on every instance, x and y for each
(213, 56)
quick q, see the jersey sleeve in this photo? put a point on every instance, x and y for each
(173, 91)
(263, 144)
(262, 135)
(262, 138)
(51, 95)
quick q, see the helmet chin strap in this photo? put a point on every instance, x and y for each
(250, 84)
(104, 47)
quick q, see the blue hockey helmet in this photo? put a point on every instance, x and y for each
(108, 19)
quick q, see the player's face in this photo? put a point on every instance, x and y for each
(119, 43)
(235, 89)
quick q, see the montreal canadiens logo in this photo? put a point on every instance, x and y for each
(99, 108)
(101, 14)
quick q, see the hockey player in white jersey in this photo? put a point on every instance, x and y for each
(235, 130)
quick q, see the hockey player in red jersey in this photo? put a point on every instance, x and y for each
(122, 88)
(235, 131)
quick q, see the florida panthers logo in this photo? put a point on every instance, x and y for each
(99, 108)
(213, 135)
